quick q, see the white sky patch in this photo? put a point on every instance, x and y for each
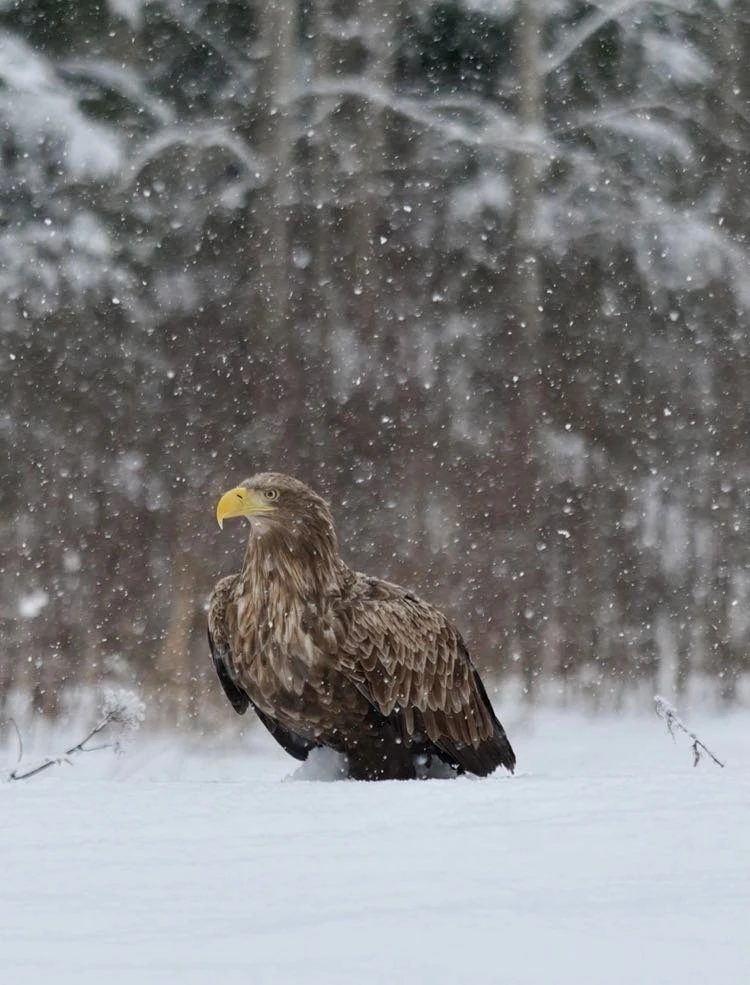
(492, 192)
(131, 11)
(567, 455)
(30, 605)
(71, 561)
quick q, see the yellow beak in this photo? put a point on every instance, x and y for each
(239, 502)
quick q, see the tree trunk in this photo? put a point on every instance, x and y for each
(528, 328)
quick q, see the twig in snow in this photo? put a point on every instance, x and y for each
(17, 730)
(668, 713)
(121, 708)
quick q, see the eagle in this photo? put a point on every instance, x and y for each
(328, 657)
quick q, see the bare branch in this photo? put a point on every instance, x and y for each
(79, 747)
(14, 723)
(669, 715)
(120, 709)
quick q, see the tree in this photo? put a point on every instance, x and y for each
(478, 273)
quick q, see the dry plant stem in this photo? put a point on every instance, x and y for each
(20, 740)
(673, 721)
(77, 748)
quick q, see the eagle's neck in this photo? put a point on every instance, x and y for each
(283, 567)
(287, 585)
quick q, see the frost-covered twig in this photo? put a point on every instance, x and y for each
(667, 711)
(119, 708)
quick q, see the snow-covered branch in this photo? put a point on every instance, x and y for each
(668, 713)
(588, 27)
(466, 119)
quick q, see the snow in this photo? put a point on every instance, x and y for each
(682, 62)
(607, 859)
(37, 107)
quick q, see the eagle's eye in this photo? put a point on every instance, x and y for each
(271, 494)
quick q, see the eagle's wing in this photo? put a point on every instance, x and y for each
(219, 641)
(410, 661)
(219, 637)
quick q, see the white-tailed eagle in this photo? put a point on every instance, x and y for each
(330, 657)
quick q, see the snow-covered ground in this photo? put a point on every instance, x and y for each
(607, 860)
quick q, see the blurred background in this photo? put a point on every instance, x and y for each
(478, 271)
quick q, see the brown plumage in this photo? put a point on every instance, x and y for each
(330, 657)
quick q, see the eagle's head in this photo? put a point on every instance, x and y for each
(277, 503)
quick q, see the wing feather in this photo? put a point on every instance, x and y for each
(219, 636)
(409, 660)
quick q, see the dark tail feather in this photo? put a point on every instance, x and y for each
(294, 744)
(489, 754)
(483, 759)
(501, 749)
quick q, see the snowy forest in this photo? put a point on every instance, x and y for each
(478, 271)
